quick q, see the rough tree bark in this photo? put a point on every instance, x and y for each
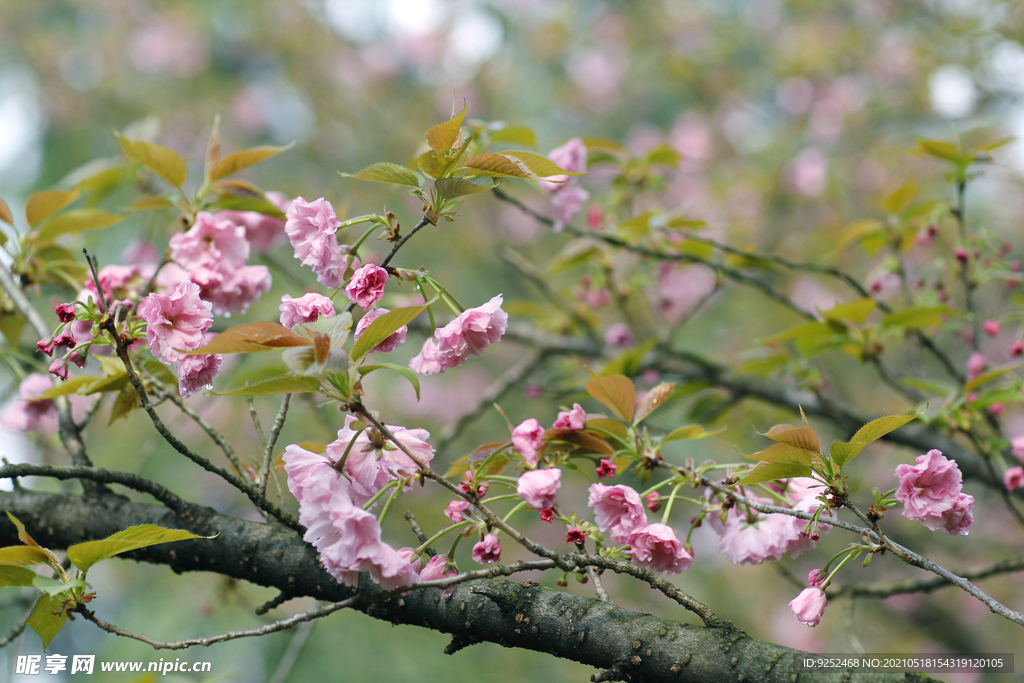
(625, 645)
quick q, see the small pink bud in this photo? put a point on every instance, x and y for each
(606, 468)
(1017, 349)
(59, 368)
(961, 255)
(1013, 478)
(816, 577)
(547, 515)
(65, 312)
(575, 536)
(45, 346)
(972, 397)
(653, 501)
(996, 409)
(991, 328)
(65, 339)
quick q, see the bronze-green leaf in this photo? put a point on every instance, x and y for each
(387, 172)
(77, 220)
(151, 203)
(16, 576)
(161, 160)
(687, 432)
(919, 317)
(784, 452)
(236, 161)
(251, 338)
(940, 149)
(125, 403)
(586, 442)
(278, 385)
(24, 556)
(42, 205)
(67, 388)
(451, 188)
(382, 328)
(400, 369)
(540, 166)
(770, 471)
(444, 136)
(654, 399)
(855, 312)
(843, 452)
(85, 555)
(899, 199)
(47, 618)
(616, 392)
(5, 213)
(497, 165)
(801, 437)
(990, 375)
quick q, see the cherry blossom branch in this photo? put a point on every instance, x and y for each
(127, 479)
(170, 394)
(275, 432)
(18, 628)
(927, 585)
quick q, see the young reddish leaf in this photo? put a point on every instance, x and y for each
(251, 338)
(24, 556)
(47, 618)
(85, 555)
(538, 165)
(498, 165)
(382, 328)
(444, 136)
(770, 471)
(616, 392)
(5, 213)
(435, 164)
(77, 220)
(159, 159)
(278, 385)
(16, 576)
(236, 161)
(900, 198)
(654, 399)
(151, 203)
(589, 442)
(784, 452)
(387, 172)
(46, 203)
(801, 437)
(451, 188)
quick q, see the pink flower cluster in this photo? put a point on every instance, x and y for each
(213, 253)
(931, 493)
(567, 196)
(367, 285)
(469, 334)
(751, 537)
(25, 415)
(176, 323)
(620, 512)
(262, 231)
(539, 487)
(348, 537)
(528, 437)
(311, 227)
(308, 308)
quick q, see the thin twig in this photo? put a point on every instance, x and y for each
(18, 628)
(268, 452)
(256, 421)
(926, 585)
(218, 438)
(424, 221)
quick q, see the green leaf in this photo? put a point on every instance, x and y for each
(608, 144)
(251, 338)
(609, 425)
(43, 204)
(934, 386)
(517, 135)
(451, 188)
(998, 396)
(387, 172)
(5, 213)
(990, 375)
(538, 165)
(159, 159)
(784, 452)
(77, 220)
(443, 136)
(401, 369)
(770, 471)
(663, 155)
(23, 556)
(85, 555)
(436, 164)
(125, 403)
(67, 388)
(636, 228)
(940, 149)
(53, 587)
(628, 362)
(855, 312)
(151, 203)
(919, 317)
(687, 433)
(11, 325)
(159, 371)
(382, 328)
(16, 576)
(616, 392)
(497, 165)
(278, 385)
(856, 232)
(47, 618)
(236, 161)
(993, 144)
(844, 452)
(115, 382)
(480, 453)
(801, 437)
(900, 198)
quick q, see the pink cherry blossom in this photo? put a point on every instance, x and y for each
(367, 285)
(59, 369)
(572, 419)
(653, 501)
(469, 334)
(392, 569)
(210, 243)
(307, 470)
(618, 334)
(656, 547)
(976, 364)
(606, 469)
(572, 156)
(1013, 478)
(750, 537)
(528, 437)
(456, 510)
(487, 551)
(233, 292)
(176, 322)
(1017, 448)
(311, 227)
(306, 309)
(198, 372)
(575, 536)
(958, 519)
(539, 487)
(1017, 348)
(809, 606)
(392, 342)
(25, 415)
(566, 205)
(619, 510)
(439, 568)
(262, 231)
(373, 462)
(931, 493)
(680, 289)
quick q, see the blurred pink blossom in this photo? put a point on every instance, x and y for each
(469, 334)
(311, 227)
(24, 415)
(539, 487)
(1013, 477)
(680, 289)
(306, 309)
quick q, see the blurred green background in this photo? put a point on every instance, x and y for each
(793, 118)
